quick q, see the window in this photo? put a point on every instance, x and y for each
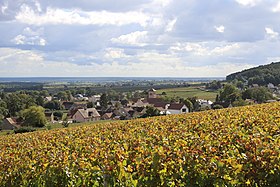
(184, 110)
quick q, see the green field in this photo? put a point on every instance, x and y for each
(186, 92)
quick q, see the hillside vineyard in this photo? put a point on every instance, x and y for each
(233, 147)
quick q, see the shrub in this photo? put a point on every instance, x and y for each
(24, 130)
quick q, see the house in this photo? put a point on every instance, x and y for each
(153, 101)
(152, 93)
(78, 105)
(67, 105)
(48, 98)
(138, 103)
(94, 98)
(80, 97)
(9, 124)
(121, 114)
(107, 116)
(205, 104)
(86, 115)
(177, 108)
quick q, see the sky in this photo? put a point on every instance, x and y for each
(136, 38)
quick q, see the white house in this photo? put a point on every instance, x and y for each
(177, 108)
(86, 115)
(205, 103)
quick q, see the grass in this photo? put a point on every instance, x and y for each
(185, 92)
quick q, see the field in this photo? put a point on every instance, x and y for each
(228, 147)
(186, 92)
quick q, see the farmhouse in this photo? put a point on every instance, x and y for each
(86, 115)
(177, 108)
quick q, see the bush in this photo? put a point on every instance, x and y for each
(217, 106)
(58, 114)
(24, 130)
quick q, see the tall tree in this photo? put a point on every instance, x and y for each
(229, 93)
(104, 101)
(34, 116)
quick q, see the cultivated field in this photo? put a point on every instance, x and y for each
(228, 147)
(185, 92)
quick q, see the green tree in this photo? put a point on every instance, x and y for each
(229, 93)
(34, 116)
(53, 105)
(104, 101)
(62, 95)
(151, 111)
(217, 106)
(188, 103)
(261, 94)
(40, 101)
(17, 102)
(195, 103)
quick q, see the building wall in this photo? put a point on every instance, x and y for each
(179, 111)
(78, 117)
(152, 94)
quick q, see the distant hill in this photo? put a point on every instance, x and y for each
(261, 75)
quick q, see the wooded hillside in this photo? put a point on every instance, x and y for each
(261, 75)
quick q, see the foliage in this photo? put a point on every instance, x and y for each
(229, 93)
(17, 102)
(261, 75)
(217, 106)
(24, 130)
(151, 111)
(214, 85)
(240, 102)
(227, 147)
(189, 104)
(104, 101)
(53, 105)
(260, 94)
(58, 114)
(3, 113)
(34, 116)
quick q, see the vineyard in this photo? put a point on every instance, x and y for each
(228, 147)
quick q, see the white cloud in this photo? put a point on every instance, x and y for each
(205, 49)
(4, 8)
(271, 34)
(276, 8)
(75, 16)
(38, 6)
(30, 37)
(114, 53)
(162, 3)
(144, 64)
(170, 25)
(220, 29)
(138, 38)
(249, 3)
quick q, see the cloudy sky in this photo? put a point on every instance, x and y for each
(167, 38)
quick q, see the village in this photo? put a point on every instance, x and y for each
(84, 108)
(67, 108)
